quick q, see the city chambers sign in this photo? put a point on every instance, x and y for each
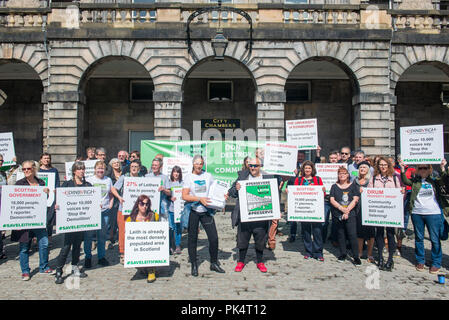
(220, 123)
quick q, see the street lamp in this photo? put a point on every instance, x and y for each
(219, 42)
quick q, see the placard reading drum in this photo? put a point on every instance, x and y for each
(306, 203)
(422, 144)
(259, 200)
(134, 187)
(79, 209)
(146, 244)
(23, 207)
(382, 207)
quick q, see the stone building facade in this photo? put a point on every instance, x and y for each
(70, 71)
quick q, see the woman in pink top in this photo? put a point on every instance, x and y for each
(384, 177)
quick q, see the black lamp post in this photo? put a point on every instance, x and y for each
(219, 42)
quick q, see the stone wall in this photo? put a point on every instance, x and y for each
(22, 114)
(196, 105)
(331, 105)
(109, 115)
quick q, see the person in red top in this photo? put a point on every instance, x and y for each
(314, 248)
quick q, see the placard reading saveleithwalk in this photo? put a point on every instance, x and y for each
(146, 244)
(7, 148)
(79, 209)
(382, 207)
(422, 144)
(23, 207)
(305, 203)
(259, 200)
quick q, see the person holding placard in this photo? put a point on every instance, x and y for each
(72, 240)
(344, 197)
(135, 155)
(194, 192)
(117, 191)
(426, 205)
(105, 183)
(142, 212)
(3, 182)
(45, 166)
(313, 247)
(115, 174)
(364, 233)
(24, 236)
(156, 172)
(175, 228)
(384, 177)
(257, 229)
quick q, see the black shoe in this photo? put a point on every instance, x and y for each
(215, 267)
(103, 262)
(58, 277)
(342, 258)
(194, 270)
(357, 262)
(380, 263)
(88, 263)
(389, 265)
(292, 239)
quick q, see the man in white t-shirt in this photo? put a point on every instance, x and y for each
(156, 172)
(105, 183)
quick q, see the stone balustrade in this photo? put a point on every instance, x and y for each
(333, 15)
(427, 19)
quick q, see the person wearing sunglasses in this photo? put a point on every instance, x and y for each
(257, 229)
(141, 212)
(345, 154)
(29, 169)
(384, 177)
(426, 205)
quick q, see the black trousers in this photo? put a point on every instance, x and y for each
(350, 225)
(257, 229)
(380, 234)
(71, 240)
(208, 223)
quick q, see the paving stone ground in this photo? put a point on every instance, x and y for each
(289, 275)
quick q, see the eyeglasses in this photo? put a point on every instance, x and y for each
(383, 165)
(143, 204)
(422, 168)
(346, 153)
(27, 169)
(254, 165)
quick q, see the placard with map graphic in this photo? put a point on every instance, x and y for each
(259, 200)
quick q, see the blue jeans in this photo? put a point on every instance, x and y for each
(101, 237)
(185, 220)
(313, 247)
(42, 239)
(406, 211)
(434, 225)
(175, 229)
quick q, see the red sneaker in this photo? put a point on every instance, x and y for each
(239, 267)
(261, 267)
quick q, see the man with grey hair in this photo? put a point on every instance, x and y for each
(353, 168)
(156, 168)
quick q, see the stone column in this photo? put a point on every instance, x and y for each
(167, 115)
(63, 126)
(374, 123)
(270, 115)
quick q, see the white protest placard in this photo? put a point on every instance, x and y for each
(280, 158)
(146, 244)
(217, 191)
(259, 200)
(178, 203)
(184, 163)
(23, 207)
(7, 148)
(79, 209)
(50, 183)
(133, 187)
(328, 172)
(305, 203)
(422, 144)
(382, 207)
(90, 169)
(303, 133)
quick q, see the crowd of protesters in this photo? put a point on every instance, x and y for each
(425, 193)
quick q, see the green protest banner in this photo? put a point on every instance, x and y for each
(223, 159)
